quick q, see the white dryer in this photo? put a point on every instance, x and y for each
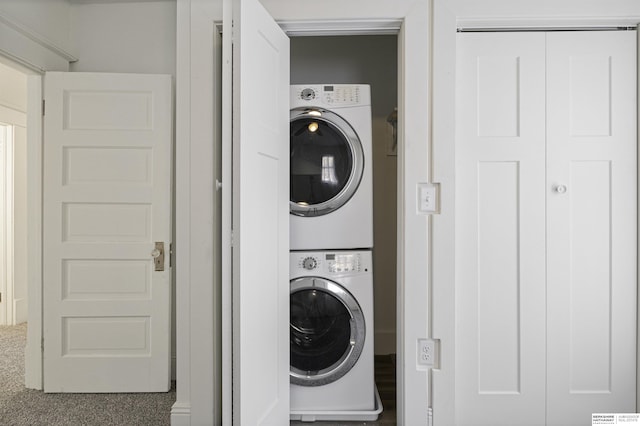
(331, 336)
(331, 195)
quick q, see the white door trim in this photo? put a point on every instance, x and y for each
(33, 350)
(8, 221)
(414, 165)
(445, 22)
(638, 262)
(197, 377)
(6, 289)
(296, 28)
(539, 23)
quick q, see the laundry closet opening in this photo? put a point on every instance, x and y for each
(370, 60)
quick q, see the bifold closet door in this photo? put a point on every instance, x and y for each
(591, 224)
(500, 229)
(545, 227)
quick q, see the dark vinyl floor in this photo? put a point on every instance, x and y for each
(385, 371)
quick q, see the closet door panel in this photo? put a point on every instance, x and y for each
(500, 229)
(591, 224)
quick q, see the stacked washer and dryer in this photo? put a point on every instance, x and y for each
(331, 228)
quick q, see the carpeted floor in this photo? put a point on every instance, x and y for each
(27, 407)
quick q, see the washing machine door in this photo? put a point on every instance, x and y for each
(327, 161)
(327, 331)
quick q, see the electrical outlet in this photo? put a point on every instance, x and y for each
(428, 352)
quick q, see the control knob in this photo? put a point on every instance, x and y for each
(308, 94)
(309, 263)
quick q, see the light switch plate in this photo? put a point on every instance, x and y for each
(428, 194)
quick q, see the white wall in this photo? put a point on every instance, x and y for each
(543, 8)
(13, 88)
(365, 60)
(35, 33)
(49, 18)
(131, 37)
(337, 9)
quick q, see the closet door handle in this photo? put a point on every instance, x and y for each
(560, 189)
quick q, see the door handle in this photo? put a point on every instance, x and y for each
(158, 256)
(560, 189)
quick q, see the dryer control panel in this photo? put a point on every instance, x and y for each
(332, 95)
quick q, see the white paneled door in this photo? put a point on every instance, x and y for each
(591, 224)
(260, 218)
(546, 227)
(500, 229)
(107, 205)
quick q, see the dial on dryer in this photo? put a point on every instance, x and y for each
(309, 263)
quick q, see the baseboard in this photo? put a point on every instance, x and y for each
(20, 311)
(33, 367)
(384, 342)
(181, 414)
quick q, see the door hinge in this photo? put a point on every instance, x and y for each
(232, 238)
(0, 297)
(43, 107)
(430, 416)
(170, 255)
(42, 344)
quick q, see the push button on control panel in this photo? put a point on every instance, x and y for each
(342, 95)
(343, 263)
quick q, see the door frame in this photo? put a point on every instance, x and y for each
(30, 52)
(33, 351)
(34, 348)
(197, 299)
(6, 221)
(447, 20)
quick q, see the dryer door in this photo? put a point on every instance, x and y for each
(327, 161)
(327, 331)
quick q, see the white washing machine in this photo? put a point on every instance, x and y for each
(331, 336)
(331, 195)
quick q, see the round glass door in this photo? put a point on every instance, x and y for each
(327, 331)
(326, 162)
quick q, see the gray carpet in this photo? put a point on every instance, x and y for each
(20, 406)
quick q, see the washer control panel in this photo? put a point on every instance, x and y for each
(336, 95)
(331, 262)
(343, 262)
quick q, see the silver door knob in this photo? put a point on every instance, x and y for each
(158, 256)
(561, 189)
